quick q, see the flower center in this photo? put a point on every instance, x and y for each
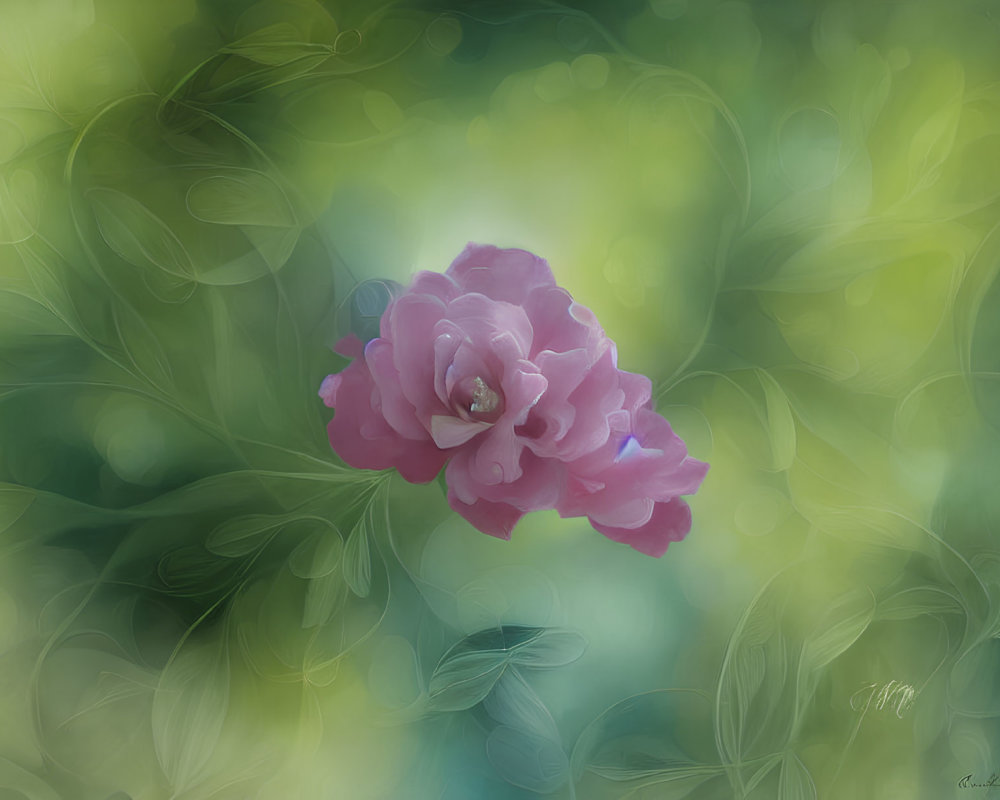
(484, 399)
(474, 400)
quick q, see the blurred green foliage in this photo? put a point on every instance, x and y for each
(786, 213)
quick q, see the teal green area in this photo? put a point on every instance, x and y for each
(786, 213)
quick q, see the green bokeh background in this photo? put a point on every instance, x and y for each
(785, 213)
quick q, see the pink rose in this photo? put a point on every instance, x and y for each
(496, 371)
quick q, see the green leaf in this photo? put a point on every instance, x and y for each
(462, 681)
(977, 281)
(795, 782)
(258, 80)
(851, 615)
(972, 684)
(143, 348)
(323, 595)
(761, 773)
(933, 140)
(191, 571)
(847, 619)
(809, 144)
(319, 553)
(169, 288)
(274, 245)
(14, 504)
(189, 708)
(917, 602)
(48, 282)
(20, 206)
(244, 268)
(357, 556)
(831, 259)
(16, 782)
(752, 684)
(275, 45)
(516, 705)
(780, 423)
(243, 197)
(468, 671)
(393, 677)
(527, 760)
(644, 735)
(23, 315)
(550, 648)
(223, 490)
(240, 536)
(137, 234)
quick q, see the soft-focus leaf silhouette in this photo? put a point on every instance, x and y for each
(243, 535)
(14, 503)
(470, 669)
(551, 648)
(847, 619)
(322, 598)
(20, 206)
(19, 782)
(317, 559)
(137, 234)
(191, 570)
(275, 45)
(243, 197)
(795, 782)
(262, 76)
(641, 737)
(189, 709)
(144, 350)
(753, 681)
(513, 703)
(527, 760)
(915, 602)
(357, 556)
(781, 424)
(463, 680)
(319, 552)
(932, 141)
(967, 692)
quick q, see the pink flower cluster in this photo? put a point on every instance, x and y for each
(495, 370)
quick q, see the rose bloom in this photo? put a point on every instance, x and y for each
(494, 370)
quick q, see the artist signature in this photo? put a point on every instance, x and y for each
(968, 783)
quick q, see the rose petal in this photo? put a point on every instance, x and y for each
(397, 409)
(482, 319)
(498, 457)
(560, 324)
(669, 522)
(328, 389)
(436, 284)
(363, 439)
(412, 325)
(507, 275)
(496, 519)
(350, 346)
(451, 431)
(596, 399)
(541, 483)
